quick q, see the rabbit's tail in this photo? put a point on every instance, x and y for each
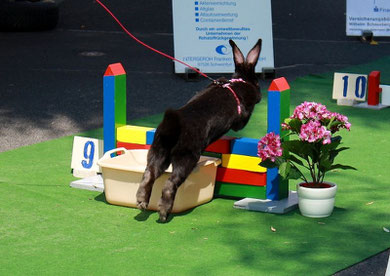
(170, 128)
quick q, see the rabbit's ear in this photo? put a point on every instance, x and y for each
(238, 57)
(253, 54)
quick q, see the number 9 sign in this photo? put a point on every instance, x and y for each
(85, 154)
(349, 86)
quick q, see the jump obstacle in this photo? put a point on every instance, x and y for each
(374, 91)
(239, 174)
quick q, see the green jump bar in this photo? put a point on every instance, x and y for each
(223, 189)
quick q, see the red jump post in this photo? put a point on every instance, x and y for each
(373, 88)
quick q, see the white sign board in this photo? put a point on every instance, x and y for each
(202, 30)
(85, 154)
(368, 15)
(349, 86)
(385, 94)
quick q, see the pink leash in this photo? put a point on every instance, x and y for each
(227, 85)
(149, 47)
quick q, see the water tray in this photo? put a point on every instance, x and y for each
(122, 175)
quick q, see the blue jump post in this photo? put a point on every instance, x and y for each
(114, 103)
(278, 110)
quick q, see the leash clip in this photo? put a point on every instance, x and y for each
(217, 82)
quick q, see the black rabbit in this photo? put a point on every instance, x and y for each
(184, 133)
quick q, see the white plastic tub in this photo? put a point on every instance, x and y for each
(122, 175)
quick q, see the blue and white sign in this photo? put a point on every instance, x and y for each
(202, 30)
(368, 15)
(349, 86)
(85, 154)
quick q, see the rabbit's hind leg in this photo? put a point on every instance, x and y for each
(182, 166)
(158, 162)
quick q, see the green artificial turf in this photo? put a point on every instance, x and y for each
(48, 228)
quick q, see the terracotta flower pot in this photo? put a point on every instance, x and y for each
(316, 202)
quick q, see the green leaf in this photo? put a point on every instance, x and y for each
(284, 169)
(294, 173)
(295, 125)
(287, 121)
(336, 139)
(341, 149)
(291, 173)
(330, 123)
(334, 124)
(335, 142)
(342, 167)
(309, 149)
(325, 165)
(295, 146)
(268, 164)
(334, 153)
(294, 159)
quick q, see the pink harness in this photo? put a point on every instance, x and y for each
(228, 86)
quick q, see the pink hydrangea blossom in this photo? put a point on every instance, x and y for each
(313, 131)
(311, 111)
(269, 147)
(343, 120)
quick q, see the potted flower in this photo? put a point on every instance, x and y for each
(310, 144)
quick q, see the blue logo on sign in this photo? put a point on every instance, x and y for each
(222, 50)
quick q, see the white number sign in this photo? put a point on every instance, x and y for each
(349, 86)
(85, 154)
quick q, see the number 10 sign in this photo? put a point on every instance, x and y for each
(349, 86)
